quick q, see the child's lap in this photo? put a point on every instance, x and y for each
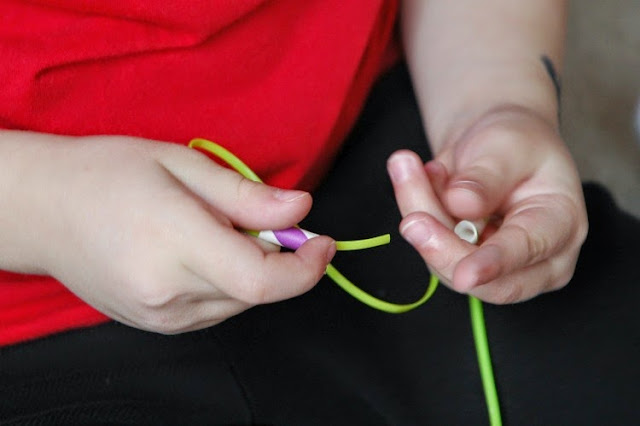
(569, 357)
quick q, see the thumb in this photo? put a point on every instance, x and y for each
(253, 205)
(486, 168)
(247, 204)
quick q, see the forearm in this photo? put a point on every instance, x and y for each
(468, 58)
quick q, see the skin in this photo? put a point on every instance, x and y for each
(490, 110)
(154, 264)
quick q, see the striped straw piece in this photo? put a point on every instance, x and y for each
(291, 238)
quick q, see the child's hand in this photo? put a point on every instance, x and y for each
(511, 165)
(146, 232)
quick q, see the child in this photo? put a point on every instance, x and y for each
(146, 233)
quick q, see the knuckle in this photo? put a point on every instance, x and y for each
(148, 293)
(560, 282)
(162, 312)
(159, 318)
(574, 217)
(154, 298)
(444, 263)
(155, 304)
(429, 245)
(536, 244)
(583, 230)
(563, 275)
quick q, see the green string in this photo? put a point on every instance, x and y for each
(344, 283)
(484, 361)
(380, 240)
(475, 306)
(374, 302)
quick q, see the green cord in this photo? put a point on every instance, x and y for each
(484, 361)
(363, 244)
(374, 302)
(226, 156)
(475, 306)
(364, 297)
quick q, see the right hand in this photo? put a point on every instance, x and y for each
(145, 232)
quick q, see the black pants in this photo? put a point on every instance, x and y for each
(567, 358)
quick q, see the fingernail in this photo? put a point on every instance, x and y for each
(331, 251)
(289, 195)
(416, 232)
(470, 187)
(401, 167)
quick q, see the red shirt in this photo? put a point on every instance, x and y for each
(277, 82)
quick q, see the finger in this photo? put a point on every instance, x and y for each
(412, 188)
(278, 276)
(245, 272)
(527, 283)
(539, 229)
(248, 204)
(438, 176)
(440, 248)
(487, 167)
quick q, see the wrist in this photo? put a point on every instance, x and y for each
(483, 88)
(26, 193)
(495, 116)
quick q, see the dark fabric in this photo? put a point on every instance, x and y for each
(566, 358)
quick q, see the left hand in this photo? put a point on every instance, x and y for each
(510, 165)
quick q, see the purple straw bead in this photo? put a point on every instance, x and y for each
(291, 238)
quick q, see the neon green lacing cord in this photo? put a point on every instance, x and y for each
(331, 271)
(475, 306)
(484, 361)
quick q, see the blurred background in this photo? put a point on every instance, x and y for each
(601, 91)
